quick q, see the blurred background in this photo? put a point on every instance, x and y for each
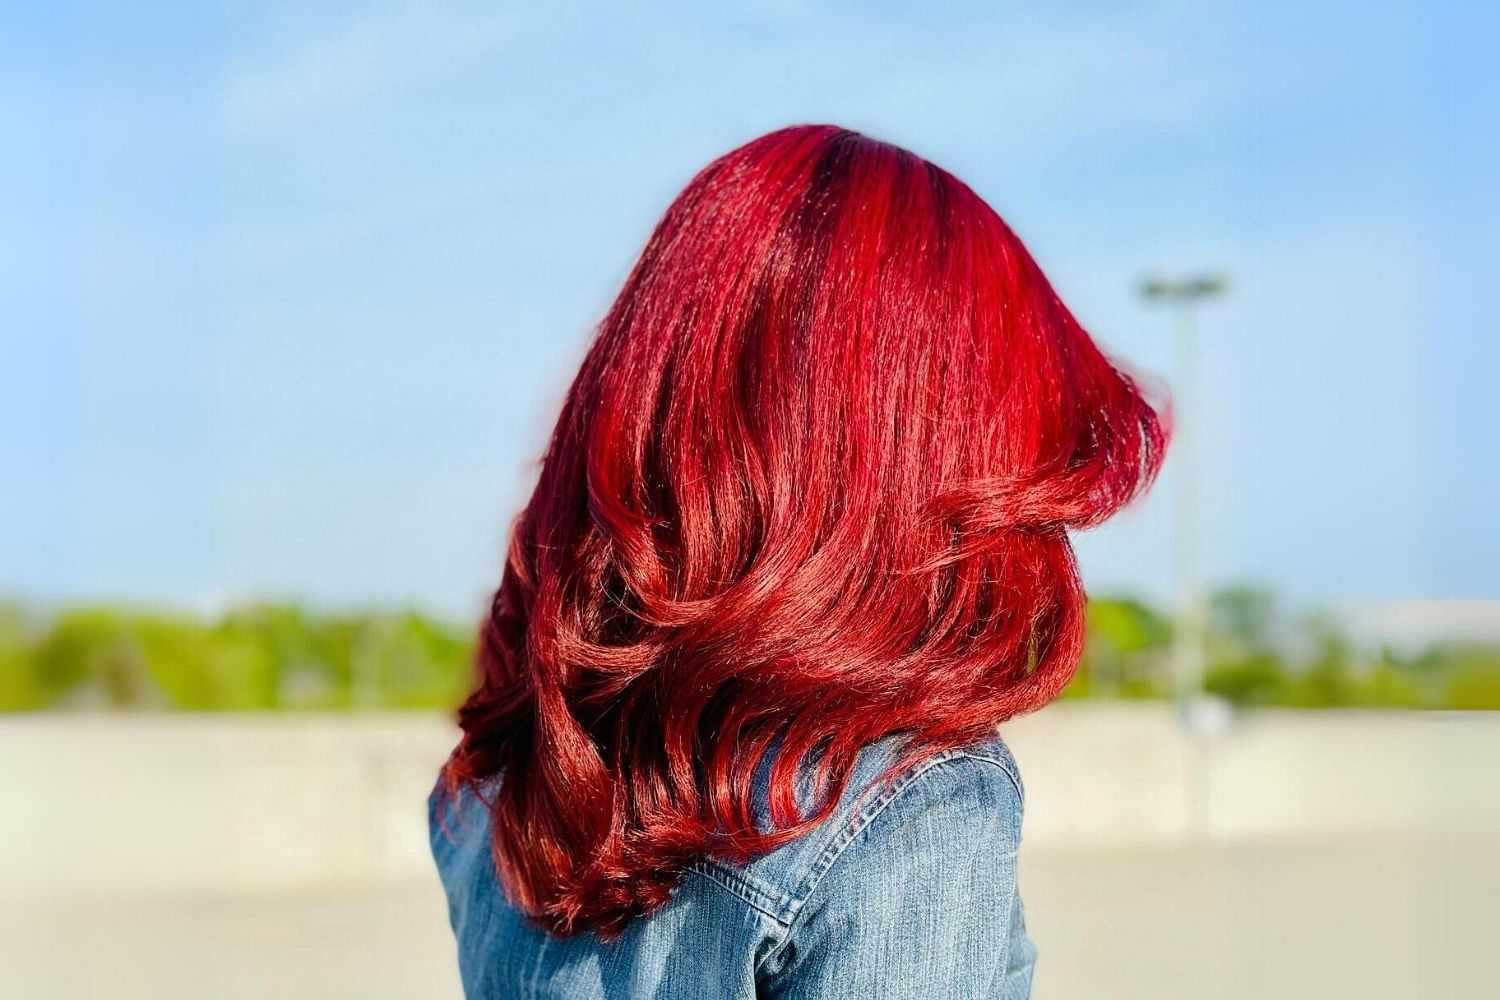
(290, 294)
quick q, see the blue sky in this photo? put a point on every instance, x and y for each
(290, 292)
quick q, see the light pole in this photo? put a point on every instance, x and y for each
(1183, 295)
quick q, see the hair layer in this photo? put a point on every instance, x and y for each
(810, 489)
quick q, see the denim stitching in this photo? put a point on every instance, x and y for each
(835, 849)
(855, 826)
(740, 888)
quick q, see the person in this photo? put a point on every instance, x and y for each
(797, 548)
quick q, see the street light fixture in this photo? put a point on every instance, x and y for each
(1189, 289)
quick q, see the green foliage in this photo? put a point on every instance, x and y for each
(1474, 681)
(1125, 653)
(410, 662)
(282, 657)
(1326, 684)
(254, 658)
(1474, 690)
(1255, 658)
(20, 686)
(95, 645)
(1244, 616)
(1255, 680)
(1388, 686)
(226, 666)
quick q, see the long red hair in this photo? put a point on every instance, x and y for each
(809, 490)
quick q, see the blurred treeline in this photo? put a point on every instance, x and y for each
(253, 658)
(1257, 655)
(272, 657)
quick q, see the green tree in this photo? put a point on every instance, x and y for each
(1244, 615)
(227, 666)
(1125, 650)
(1253, 680)
(94, 647)
(1473, 678)
(21, 687)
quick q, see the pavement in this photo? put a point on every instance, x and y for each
(1369, 917)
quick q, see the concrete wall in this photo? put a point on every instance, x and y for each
(1102, 775)
(176, 802)
(266, 804)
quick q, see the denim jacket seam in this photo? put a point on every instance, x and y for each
(1002, 759)
(851, 831)
(783, 907)
(742, 888)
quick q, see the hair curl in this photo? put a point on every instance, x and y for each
(809, 489)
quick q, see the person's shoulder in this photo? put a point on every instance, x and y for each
(956, 801)
(970, 796)
(982, 779)
(994, 753)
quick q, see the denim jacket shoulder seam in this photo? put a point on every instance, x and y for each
(871, 811)
(851, 831)
(782, 906)
(743, 889)
(1002, 759)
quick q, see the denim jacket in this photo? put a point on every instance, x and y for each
(906, 891)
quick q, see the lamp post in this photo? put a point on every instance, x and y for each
(1183, 295)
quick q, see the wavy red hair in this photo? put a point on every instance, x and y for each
(810, 489)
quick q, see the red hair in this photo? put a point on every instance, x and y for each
(809, 490)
